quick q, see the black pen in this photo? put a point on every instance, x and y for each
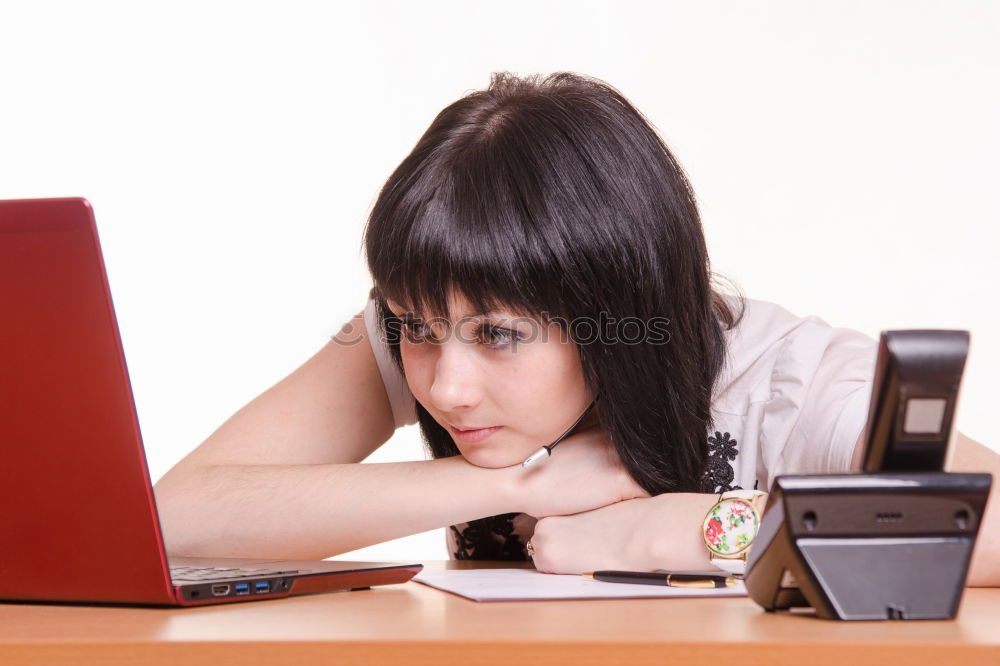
(705, 581)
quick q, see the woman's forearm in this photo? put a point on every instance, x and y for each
(319, 510)
(315, 511)
(673, 538)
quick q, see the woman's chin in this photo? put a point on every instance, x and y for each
(488, 457)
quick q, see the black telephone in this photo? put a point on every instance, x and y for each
(892, 542)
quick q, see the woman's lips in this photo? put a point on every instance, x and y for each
(472, 435)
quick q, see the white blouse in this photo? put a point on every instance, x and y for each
(791, 399)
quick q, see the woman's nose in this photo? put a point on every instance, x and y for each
(455, 384)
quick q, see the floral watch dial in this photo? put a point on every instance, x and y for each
(730, 527)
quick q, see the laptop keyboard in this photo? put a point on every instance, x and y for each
(197, 574)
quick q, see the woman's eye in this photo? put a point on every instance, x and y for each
(416, 331)
(497, 337)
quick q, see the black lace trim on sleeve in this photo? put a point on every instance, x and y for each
(719, 472)
(490, 538)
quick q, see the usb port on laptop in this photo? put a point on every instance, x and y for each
(242, 588)
(261, 588)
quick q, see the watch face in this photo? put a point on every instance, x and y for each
(730, 527)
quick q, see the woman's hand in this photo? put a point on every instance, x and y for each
(646, 534)
(583, 473)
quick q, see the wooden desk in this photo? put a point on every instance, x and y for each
(414, 624)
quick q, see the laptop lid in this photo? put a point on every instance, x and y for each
(80, 515)
(67, 421)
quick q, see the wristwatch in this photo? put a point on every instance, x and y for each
(730, 527)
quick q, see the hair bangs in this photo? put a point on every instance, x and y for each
(466, 239)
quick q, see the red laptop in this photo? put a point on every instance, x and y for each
(79, 518)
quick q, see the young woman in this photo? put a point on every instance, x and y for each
(538, 261)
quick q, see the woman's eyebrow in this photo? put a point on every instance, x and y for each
(493, 316)
(488, 314)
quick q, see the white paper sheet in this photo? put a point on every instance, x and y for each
(527, 584)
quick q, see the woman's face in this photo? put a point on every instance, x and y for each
(502, 385)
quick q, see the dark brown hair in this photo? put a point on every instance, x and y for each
(553, 195)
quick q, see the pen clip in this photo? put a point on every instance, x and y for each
(707, 583)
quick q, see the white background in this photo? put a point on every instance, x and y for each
(845, 156)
